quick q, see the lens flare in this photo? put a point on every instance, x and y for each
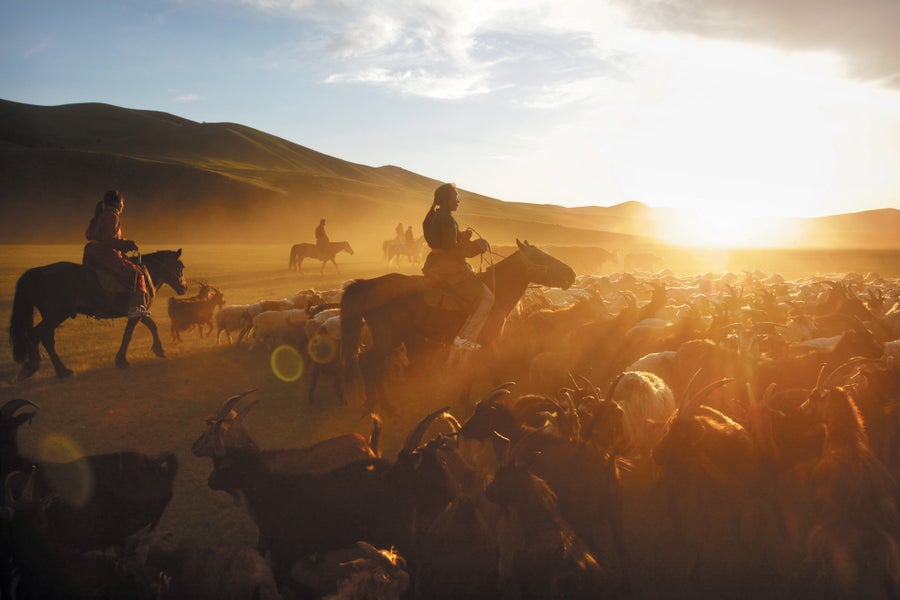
(287, 364)
(74, 483)
(322, 348)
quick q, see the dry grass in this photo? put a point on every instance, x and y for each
(159, 405)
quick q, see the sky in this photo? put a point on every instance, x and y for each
(735, 108)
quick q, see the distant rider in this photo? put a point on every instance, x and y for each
(105, 247)
(447, 263)
(322, 240)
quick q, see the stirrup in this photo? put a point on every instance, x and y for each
(137, 311)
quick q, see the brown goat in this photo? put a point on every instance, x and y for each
(198, 311)
(854, 544)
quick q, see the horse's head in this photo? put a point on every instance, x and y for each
(166, 267)
(347, 247)
(543, 269)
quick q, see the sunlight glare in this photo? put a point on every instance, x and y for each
(724, 229)
(286, 363)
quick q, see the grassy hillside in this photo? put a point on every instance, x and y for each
(194, 182)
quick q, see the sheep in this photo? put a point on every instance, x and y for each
(647, 403)
(233, 318)
(855, 541)
(129, 490)
(186, 313)
(202, 571)
(271, 327)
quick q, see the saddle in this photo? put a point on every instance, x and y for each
(439, 295)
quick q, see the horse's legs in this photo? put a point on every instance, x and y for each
(121, 361)
(313, 380)
(45, 333)
(157, 346)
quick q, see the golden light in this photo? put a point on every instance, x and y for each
(724, 229)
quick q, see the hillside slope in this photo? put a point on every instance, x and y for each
(222, 182)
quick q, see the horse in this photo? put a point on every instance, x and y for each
(394, 308)
(62, 290)
(301, 251)
(394, 249)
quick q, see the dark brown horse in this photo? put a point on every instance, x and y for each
(394, 308)
(62, 290)
(305, 250)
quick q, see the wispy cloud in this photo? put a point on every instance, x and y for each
(188, 97)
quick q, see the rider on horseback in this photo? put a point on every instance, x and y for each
(322, 240)
(446, 263)
(105, 247)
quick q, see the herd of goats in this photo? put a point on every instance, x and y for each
(743, 442)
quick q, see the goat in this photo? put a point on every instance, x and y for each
(202, 571)
(377, 575)
(855, 542)
(712, 463)
(584, 477)
(37, 565)
(225, 432)
(103, 498)
(187, 313)
(299, 513)
(540, 554)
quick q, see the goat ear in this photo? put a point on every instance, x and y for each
(178, 253)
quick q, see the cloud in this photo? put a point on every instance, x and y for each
(863, 32)
(452, 51)
(188, 97)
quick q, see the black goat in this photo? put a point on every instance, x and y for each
(302, 513)
(206, 572)
(584, 477)
(37, 567)
(103, 498)
(540, 555)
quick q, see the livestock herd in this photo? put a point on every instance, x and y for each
(720, 435)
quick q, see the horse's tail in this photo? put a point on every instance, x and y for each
(293, 259)
(21, 323)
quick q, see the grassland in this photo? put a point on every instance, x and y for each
(160, 404)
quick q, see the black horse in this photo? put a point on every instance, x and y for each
(394, 308)
(62, 290)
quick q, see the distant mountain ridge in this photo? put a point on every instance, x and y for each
(219, 182)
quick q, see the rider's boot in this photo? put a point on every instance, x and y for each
(137, 306)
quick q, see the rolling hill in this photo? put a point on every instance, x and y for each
(221, 182)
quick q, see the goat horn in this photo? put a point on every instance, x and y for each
(856, 360)
(228, 405)
(415, 435)
(502, 451)
(687, 390)
(10, 408)
(370, 551)
(702, 394)
(612, 386)
(494, 396)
